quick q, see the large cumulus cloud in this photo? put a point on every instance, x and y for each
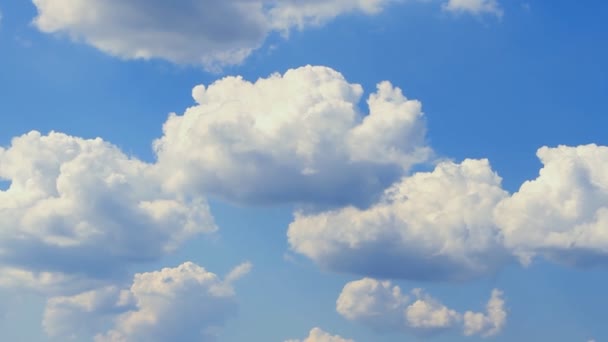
(79, 211)
(298, 137)
(185, 303)
(212, 33)
(561, 215)
(432, 226)
(457, 222)
(383, 307)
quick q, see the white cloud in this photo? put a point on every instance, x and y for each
(186, 303)
(318, 335)
(239, 272)
(563, 214)
(293, 13)
(83, 314)
(376, 303)
(382, 306)
(210, 32)
(430, 226)
(79, 211)
(475, 7)
(298, 137)
(489, 323)
(428, 314)
(456, 222)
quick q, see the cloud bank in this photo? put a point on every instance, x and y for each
(384, 307)
(78, 213)
(299, 137)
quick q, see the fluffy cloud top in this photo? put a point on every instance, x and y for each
(78, 210)
(382, 306)
(318, 335)
(186, 303)
(432, 226)
(563, 214)
(475, 7)
(209, 32)
(297, 137)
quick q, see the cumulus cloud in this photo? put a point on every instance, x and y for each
(78, 211)
(301, 14)
(563, 213)
(239, 272)
(212, 33)
(456, 222)
(382, 306)
(475, 7)
(79, 315)
(489, 323)
(430, 226)
(299, 137)
(318, 335)
(428, 314)
(186, 303)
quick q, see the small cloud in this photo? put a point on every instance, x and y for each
(318, 335)
(475, 7)
(383, 307)
(239, 272)
(185, 303)
(23, 42)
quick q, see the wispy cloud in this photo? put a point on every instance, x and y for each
(475, 7)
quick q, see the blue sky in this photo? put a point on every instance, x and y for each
(495, 80)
